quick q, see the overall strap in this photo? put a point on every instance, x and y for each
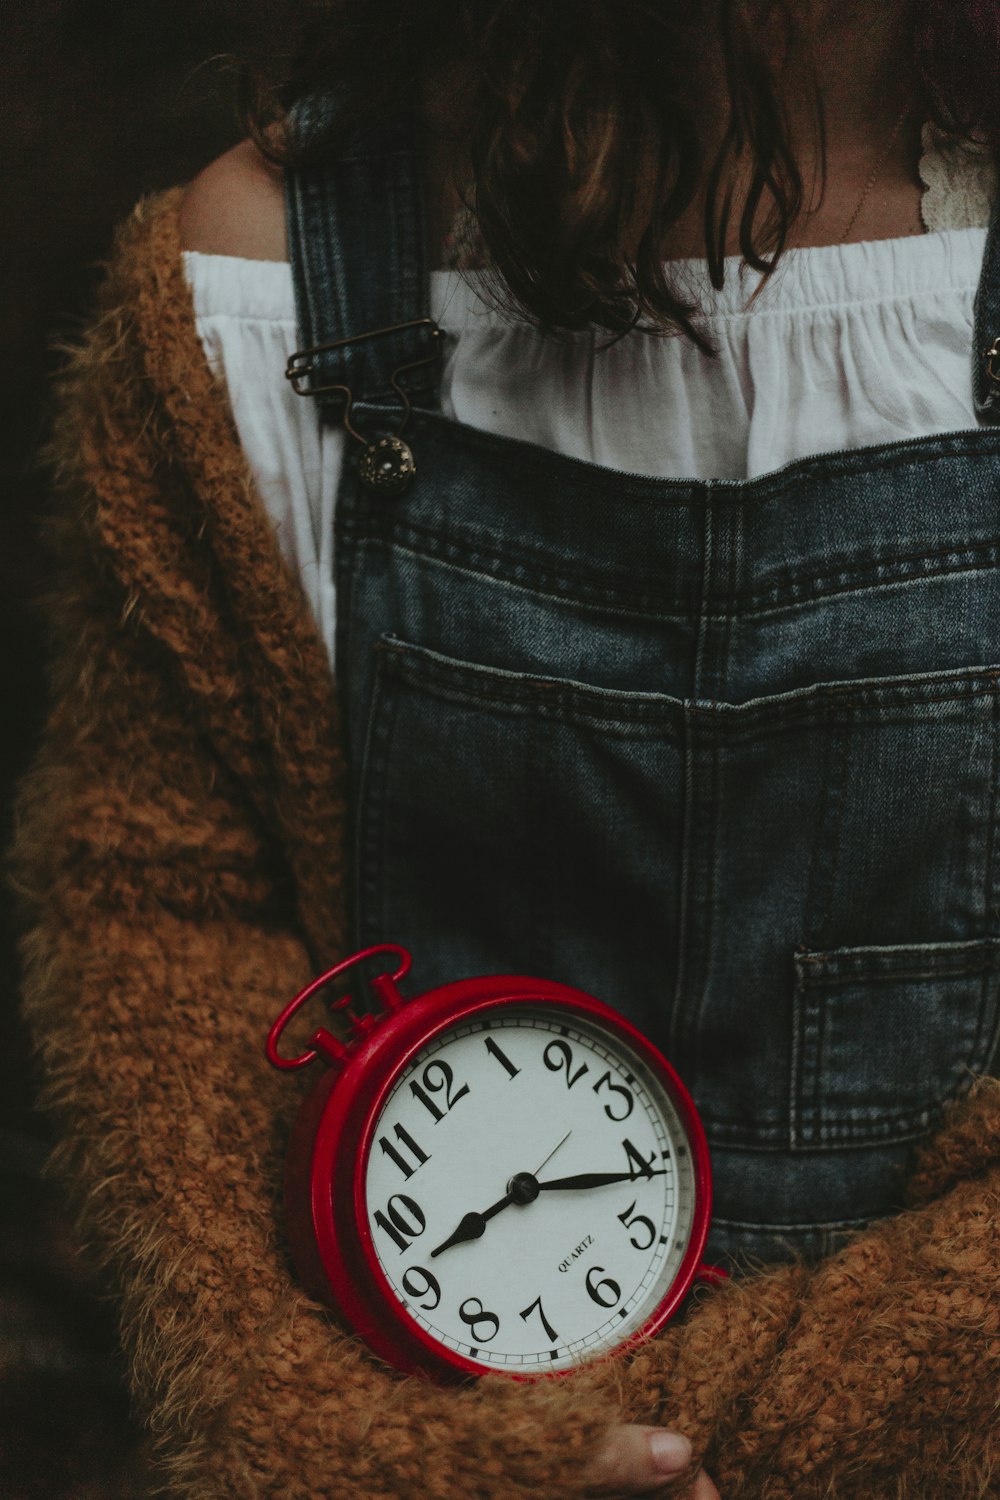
(986, 350)
(356, 246)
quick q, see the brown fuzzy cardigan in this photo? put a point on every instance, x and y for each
(178, 857)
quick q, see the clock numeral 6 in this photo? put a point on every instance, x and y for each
(606, 1293)
(398, 1226)
(431, 1285)
(474, 1313)
(438, 1076)
(629, 1221)
(558, 1057)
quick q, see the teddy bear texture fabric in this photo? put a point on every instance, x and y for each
(179, 862)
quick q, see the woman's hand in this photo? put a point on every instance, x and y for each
(635, 1460)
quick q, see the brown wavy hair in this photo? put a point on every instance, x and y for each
(583, 140)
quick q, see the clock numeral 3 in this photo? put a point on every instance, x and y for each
(398, 1226)
(431, 1285)
(558, 1056)
(606, 1293)
(474, 1313)
(437, 1077)
(628, 1221)
(554, 1337)
(618, 1088)
(402, 1134)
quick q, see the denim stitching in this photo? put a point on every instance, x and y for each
(657, 492)
(645, 598)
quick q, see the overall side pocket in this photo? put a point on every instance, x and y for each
(884, 1037)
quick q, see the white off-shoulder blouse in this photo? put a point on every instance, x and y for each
(846, 346)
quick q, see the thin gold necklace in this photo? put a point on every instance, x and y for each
(876, 170)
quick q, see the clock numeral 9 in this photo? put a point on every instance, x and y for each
(606, 1293)
(431, 1285)
(628, 1221)
(397, 1226)
(474, 1313)
(618, 1088)
(558, 1057)
(438, 1076)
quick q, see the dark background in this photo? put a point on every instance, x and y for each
(104, 100)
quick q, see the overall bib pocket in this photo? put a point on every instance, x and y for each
(475, 846)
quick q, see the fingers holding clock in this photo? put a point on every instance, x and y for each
(637, 1460)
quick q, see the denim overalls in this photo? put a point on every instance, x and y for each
(723, 753)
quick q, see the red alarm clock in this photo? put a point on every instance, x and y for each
(499, 1174)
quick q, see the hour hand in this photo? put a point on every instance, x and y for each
(598, 1179)
(473, 1225)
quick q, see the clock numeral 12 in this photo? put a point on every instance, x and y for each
(390, 1150)
(438, 1076)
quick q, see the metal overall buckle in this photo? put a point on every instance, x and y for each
(387, 464)
(991, 354)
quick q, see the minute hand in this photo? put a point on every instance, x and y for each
(598, 1179)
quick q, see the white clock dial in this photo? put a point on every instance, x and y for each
(480, 1235)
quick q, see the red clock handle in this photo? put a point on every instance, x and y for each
(323, 1041)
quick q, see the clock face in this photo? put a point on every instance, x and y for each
(530, 1189)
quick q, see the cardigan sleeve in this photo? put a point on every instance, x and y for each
(161, 934)
(876, 1373)
(157, 943)
(160, 937)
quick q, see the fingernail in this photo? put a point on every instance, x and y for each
(671, 1452)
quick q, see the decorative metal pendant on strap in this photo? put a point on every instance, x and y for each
(386, 464)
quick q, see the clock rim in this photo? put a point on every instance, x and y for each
(332, 1243)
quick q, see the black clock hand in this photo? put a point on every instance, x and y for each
(598, 1179)
(473, 1225)
(523, 1189)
